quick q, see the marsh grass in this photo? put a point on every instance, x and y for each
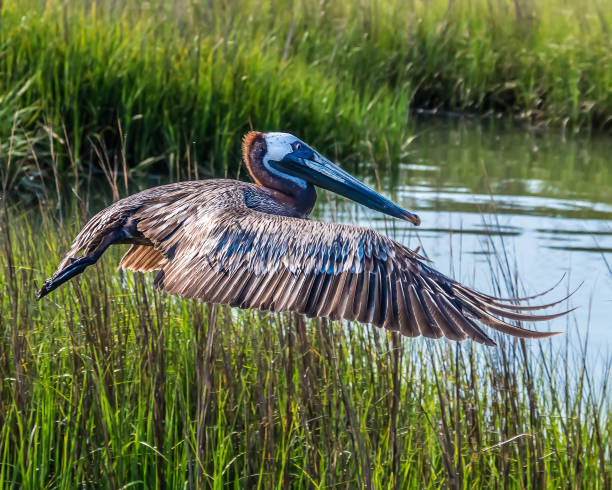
(188, 78)
(108, 383)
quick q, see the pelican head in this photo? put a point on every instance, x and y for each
(288, 157)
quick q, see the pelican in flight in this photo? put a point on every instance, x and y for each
(251, 245)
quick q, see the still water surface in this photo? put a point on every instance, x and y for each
(536, 204)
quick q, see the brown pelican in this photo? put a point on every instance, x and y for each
(253, 246)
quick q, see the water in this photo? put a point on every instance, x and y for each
(539, 202)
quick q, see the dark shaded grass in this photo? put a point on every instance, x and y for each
(190, 77)
(109, 383)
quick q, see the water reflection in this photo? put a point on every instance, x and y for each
(539, 204)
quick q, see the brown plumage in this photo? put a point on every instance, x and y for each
(251, 246)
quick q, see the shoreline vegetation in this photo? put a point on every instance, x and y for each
(183, 80)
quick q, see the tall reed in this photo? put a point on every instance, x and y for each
(189, 77)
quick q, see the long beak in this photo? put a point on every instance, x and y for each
(319, 171)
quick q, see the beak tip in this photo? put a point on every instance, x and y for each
(413, 218)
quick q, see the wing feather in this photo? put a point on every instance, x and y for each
(427, 327)
(142, 258)
(451, 329)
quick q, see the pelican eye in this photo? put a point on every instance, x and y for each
(296, 146)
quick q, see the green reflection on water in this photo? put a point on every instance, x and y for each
(467, 157)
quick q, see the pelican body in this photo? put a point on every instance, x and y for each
(251, 245)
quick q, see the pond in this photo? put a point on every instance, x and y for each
(536, 204)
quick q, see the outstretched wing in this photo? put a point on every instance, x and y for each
(249, 259)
